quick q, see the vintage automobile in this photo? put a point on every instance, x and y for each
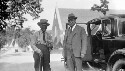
(106, 43)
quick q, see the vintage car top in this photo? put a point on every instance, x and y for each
(98, 20)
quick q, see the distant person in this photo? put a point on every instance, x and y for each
(74, 44)
(39, 45)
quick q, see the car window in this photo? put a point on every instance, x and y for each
(122, 27)
(107, 29)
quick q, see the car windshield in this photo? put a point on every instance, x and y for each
(106, 29)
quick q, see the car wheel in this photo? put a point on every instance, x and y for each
(119, 65)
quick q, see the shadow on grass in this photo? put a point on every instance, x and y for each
(9, 55)
(17, 67)
(16, 54)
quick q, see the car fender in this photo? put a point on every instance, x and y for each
(116, 55)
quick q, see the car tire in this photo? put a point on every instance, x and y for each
(118, 64)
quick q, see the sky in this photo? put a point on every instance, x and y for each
(49, 9)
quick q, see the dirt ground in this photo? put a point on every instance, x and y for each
(23, 61)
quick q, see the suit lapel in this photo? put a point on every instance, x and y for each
(68, 31)
(74, 31)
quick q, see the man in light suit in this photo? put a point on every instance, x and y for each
(75, 41)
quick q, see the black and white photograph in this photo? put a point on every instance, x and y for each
(62, 35)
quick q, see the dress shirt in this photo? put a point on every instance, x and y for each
(37, 38)
(73, 27)
(68, 38)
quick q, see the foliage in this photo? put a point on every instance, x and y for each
(20, 36)
(10, 33)
(2, 39)
(102, 8)
(57, 43)
(13, 11)
(24, 39)
(11, 18)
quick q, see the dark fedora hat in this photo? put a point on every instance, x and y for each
(71, 16)
(43, 22)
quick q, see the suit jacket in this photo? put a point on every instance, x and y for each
(65, 48)
(76, 41)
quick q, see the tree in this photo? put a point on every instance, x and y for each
(2, 39)
(102, 8)
(24, 39)
(10, 35)
(13, 11)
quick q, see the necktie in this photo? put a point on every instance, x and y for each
(70, 29)
(44, 37)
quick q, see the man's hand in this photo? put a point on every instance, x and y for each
(82, 55)
(39, 52)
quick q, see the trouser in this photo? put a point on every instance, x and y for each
(45, 59)
(74, 63)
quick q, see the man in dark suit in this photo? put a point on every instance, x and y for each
(75, 44)
(39, 45)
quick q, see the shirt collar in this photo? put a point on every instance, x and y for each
(73, 27)
(41, 31)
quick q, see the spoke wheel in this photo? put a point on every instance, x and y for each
(119, 65)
